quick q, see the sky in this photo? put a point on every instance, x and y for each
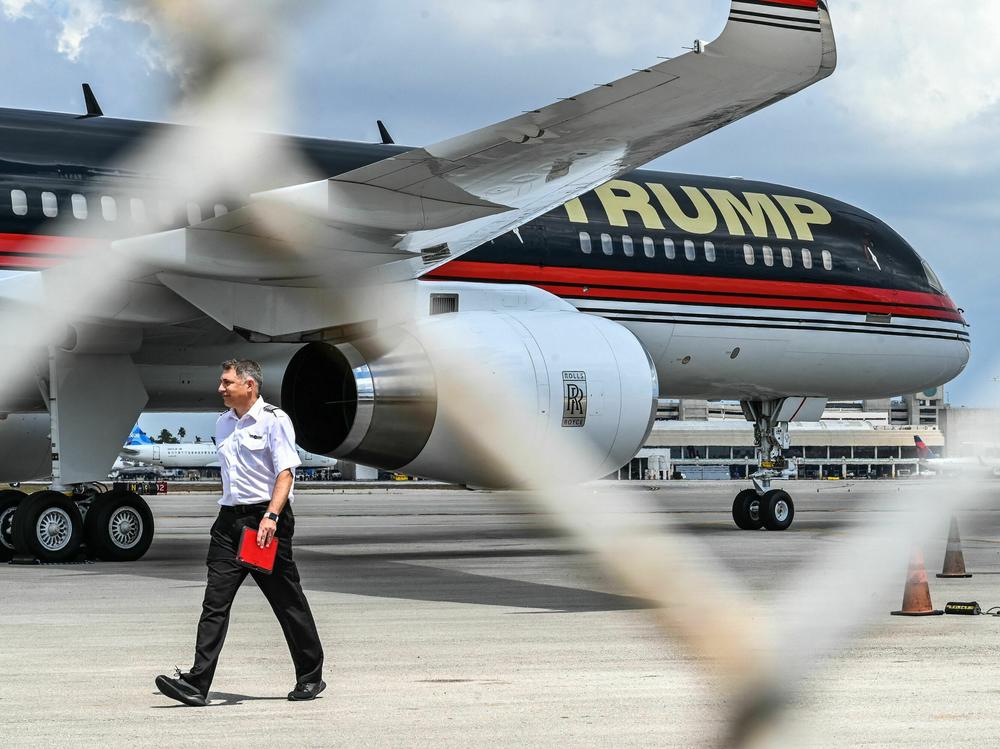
(906, 128)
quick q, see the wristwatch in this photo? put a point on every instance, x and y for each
(271, 516)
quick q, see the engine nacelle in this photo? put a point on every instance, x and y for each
(575, 378)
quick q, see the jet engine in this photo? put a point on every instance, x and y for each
(576, 381)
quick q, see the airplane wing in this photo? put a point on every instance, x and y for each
(403, 216)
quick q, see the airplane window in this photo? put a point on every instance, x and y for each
(649, 247)
(768, 256)
(193, 213)
(19, 202)
(710, 252)
(668, 249)
(138, 209)
(109, 208)
(607, 247)
(689, 249)
(79, 206)
(827, 260)
(786, 257)
(50, 206)
(932, 278)
(220, 210)
(748, 254)
(628, 246)
(585, 242)
(807, 258)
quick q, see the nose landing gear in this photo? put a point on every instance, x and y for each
(762, 506)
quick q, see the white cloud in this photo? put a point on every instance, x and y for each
(15, 8)
(82, 17)
(919, 73)
(76, 21)
(157, 53)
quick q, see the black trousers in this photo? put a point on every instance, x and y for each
(281, 588)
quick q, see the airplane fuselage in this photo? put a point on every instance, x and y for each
(737, 289)
(201, 455)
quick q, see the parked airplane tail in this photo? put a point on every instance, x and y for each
(923, 452)
(138, 437)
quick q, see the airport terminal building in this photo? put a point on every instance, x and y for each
(863, 439)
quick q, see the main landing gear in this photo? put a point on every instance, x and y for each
(762, 506)
(75, 516)
(49, 526)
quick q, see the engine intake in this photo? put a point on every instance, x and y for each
(373, 401)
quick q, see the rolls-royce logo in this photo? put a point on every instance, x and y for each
(574, 399)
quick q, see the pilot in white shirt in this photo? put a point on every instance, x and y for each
(256, 447)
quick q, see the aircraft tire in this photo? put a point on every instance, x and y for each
(119, 527)
(9, 501)
(744, 515)
(49, 526)
(777, 510)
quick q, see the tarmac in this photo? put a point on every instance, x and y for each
(460, 618)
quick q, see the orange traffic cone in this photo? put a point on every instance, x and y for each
(954, 560)
(916, 594)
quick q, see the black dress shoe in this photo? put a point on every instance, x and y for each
(303, 692)
(180, 690)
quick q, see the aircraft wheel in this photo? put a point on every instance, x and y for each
(119, 526)
(49, 526)
(9, 500)
(746, 510)
(777, 510)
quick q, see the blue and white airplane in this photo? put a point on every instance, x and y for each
(139, 448)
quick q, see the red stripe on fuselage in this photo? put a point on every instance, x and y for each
(611, 284)
(800, 3)
(45, 244)
(804, 305)
(41, 251)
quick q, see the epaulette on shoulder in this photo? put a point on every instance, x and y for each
(275, 410)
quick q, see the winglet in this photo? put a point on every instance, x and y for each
(386, 138)
(93, 108)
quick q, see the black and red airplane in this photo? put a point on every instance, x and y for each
(364, 290)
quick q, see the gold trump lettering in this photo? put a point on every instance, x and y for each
(748, 212)
(802, 212)
(575, 211)
(755, 214)
(620, 197)
(703, 222)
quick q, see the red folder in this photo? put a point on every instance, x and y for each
(252, 556)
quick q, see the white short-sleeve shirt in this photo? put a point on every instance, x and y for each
(252, 451)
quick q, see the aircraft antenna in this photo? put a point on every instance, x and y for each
(93, 108)
(386, 138)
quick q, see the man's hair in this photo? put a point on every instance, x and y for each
(245, 369)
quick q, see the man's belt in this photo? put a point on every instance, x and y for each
(258, 507)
